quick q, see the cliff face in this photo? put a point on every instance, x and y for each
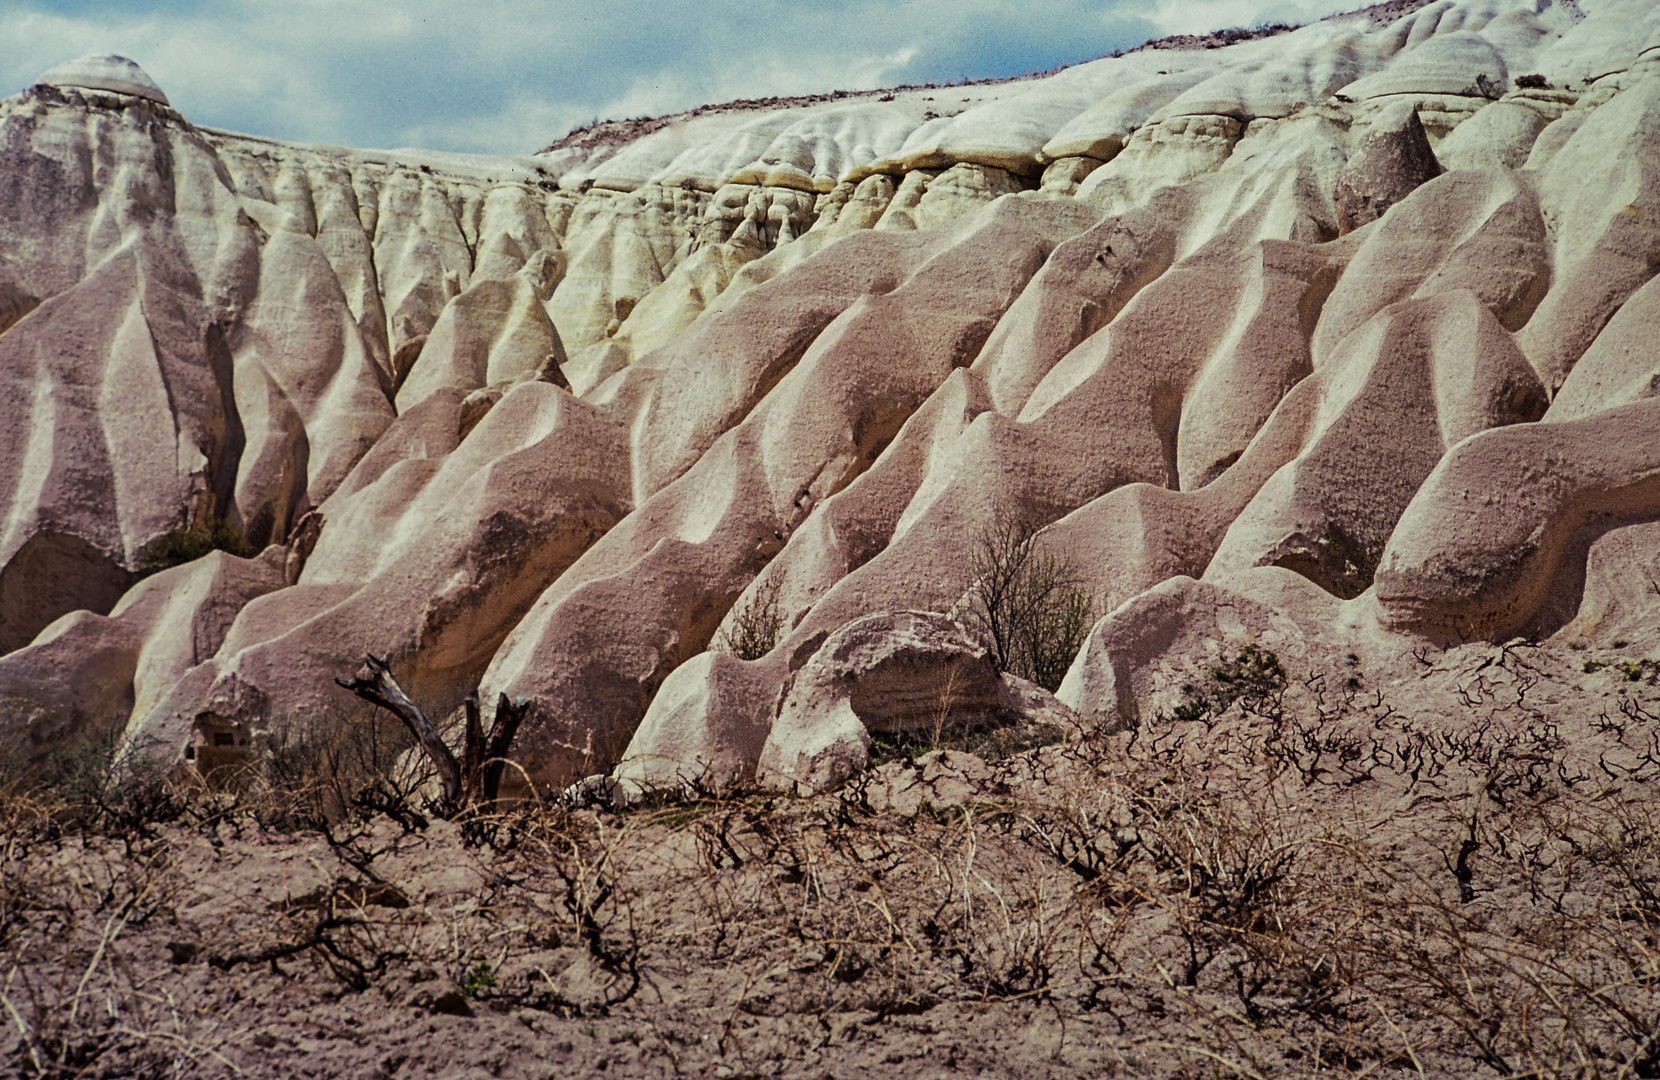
(1342, 339)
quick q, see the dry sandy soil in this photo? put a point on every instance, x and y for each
(1287, 876)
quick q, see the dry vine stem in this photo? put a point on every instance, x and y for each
(476, 778)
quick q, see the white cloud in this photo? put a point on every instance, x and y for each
(511, 75)
(1203, 16)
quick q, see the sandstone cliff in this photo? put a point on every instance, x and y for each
(1344, 340)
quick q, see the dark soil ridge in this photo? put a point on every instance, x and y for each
(621, 132)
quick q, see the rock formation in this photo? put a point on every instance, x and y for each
(1343, 340)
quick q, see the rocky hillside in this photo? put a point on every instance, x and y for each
(1341, 341)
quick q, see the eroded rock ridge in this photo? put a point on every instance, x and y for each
(1345, 341)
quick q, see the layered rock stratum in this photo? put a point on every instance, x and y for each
(1344, 340)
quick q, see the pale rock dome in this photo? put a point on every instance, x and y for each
(1459, 63)
(115, 73)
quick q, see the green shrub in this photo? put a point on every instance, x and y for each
(756, 625)
(179, 546)
(1254, 675)
(991, 742)
(1194, 708)
(478, 978)
(1640, 670)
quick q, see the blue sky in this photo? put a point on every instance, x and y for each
(509, 76)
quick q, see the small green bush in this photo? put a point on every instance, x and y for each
(1639, 670)
(756, 625)
(1194, 708)
(1254, 675)
(991, 742)
(179, 546)
(478, 978)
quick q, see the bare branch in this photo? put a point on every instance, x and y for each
(380, 688)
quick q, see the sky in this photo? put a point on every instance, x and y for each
(510, 76)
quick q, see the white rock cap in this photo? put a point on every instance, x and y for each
(115, 73)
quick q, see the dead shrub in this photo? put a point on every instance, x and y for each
(308, 774)
(1027, 605)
